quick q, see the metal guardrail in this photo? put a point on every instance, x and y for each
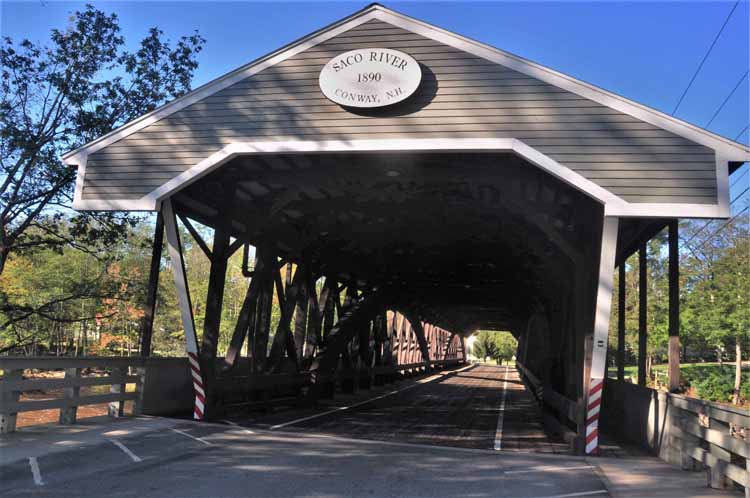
(13, 384)
(712, 436)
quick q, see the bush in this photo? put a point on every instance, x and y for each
(714, 383)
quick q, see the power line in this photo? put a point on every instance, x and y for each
(687, 242)
(738, 178)
(726, 100)
(740, 133)
(700, 66)
(730, 220)
(740, 195)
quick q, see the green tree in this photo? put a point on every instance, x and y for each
(58, 96)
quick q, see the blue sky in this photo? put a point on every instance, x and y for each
(644, 51)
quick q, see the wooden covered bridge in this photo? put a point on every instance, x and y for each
(419, 186)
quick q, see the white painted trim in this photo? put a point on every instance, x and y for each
(730, 150)
(385, 145)
(80, 176)
(604, 298)
(722, 186)
(180, 277)
(613, 205)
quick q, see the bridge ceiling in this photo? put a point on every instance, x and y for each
(469, 239)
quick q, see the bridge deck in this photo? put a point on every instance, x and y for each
(464, 409)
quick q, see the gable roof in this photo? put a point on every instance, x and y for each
(726, 149)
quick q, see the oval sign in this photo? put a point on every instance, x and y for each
(370, 77)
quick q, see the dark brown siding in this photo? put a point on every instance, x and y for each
(461, 96)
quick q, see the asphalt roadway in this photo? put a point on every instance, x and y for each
(449, 435)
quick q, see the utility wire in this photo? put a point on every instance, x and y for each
(726, 100)
(687, 242)
(738, 179)
(700, 66)
(730, 220)
(740, 133)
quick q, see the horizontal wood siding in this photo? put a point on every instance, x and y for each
(461, 96)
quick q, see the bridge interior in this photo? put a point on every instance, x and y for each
(387, 250)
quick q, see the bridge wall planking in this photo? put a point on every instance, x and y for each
(461, 96)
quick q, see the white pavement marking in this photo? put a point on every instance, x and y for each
(235, 424)
(178, 431)
(35, 471)
(547, 469)
(501, 416)
(390, 393)
(582, 493)
(126, 450)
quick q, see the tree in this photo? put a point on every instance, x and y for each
(499, 346)
(484, 346)
(55, 98)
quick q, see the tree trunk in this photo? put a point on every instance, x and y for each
(737, 370)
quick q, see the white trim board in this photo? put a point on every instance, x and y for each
(613, 204)
(728, 149)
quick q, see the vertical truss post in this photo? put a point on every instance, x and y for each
(186, 308)
(265, 302)
(603, 310)
(621, 322)
(642, 312)
(674, 307)
(300, 315)
(214, 302)
(147, 325)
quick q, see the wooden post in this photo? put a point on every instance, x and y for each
(602, 311)
(8, 420)
(186, 309)
(214, 301)
(140, 388)
(674, 307)
(117, 408)
(300, 317)
(642, 313)
(147, 324)
(68, 414)
(621, 323)
(263, 317)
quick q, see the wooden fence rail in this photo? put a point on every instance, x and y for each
(712, 437)
(118, 377)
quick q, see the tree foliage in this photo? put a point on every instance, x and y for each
(58, 96)
(500, 346)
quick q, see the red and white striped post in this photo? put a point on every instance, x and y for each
(186, 309)
(601, 332)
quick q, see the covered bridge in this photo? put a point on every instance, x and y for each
(492, 193)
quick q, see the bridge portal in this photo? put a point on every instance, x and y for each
(499, 194)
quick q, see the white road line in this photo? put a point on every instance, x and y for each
(35, 471)
(200, 440)
(235, 424)
(571, 495)
(343, 408)
(547, 469)
(501, 416)
(126, 450)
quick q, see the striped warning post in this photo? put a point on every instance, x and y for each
(200, 393)
(592, 416)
